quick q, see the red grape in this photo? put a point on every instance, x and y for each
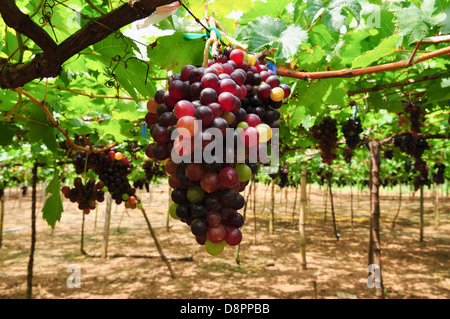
(183, 108)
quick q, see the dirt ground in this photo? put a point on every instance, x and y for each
(268, 269)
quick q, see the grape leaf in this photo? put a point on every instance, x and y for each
(261, 32)
(273, 8)
(6, 134)
(173, 52)
(290, 41)
(386, 47)
(53, 207)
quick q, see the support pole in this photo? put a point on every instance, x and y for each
(106, 225)
(302, 219)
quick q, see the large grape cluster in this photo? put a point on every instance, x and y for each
(233, 92)
(113, 168)
(326, 134)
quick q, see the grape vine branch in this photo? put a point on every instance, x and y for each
(49, 62)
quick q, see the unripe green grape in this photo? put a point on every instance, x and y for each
(244, 172)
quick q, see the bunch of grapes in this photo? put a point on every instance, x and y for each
(85, 195)
(140, 183)
(411, 145)
(112, 167)
(153, 169)
(326, 133)
(351, 130)
(416, 116)
(422, 179)
(438, 174)
(283, 172)
(233, 92)
(415, 145)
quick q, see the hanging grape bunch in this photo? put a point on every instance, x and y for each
(283, 172)
(153, 170)
(233, 92)
(112, 168)
(326, 134)
(416, 116)
(351, 130)
(85, 195)
(438, 174)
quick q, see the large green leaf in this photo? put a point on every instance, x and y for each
(53, 207)
(173, 52)
(273, 8)
(261, 32)
(386, 47)
(290, 41)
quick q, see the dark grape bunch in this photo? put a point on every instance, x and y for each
(234, 91)
(141, 183)
(283, 172)
(415, 146)
(112, 167)
(87, 195)
(422, 179)
(411, 145)
(416, 116)
(438, 174)
(326, 134)
(153, 169)
(351, 130)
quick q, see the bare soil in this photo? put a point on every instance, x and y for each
(268, 269)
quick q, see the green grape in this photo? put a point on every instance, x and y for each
(214, 249)
(195, 194)
(173, 211)
(244, 172)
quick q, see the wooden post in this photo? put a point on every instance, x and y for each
(295, 203)
(399, 204)
(2, 214)
(272, 209)
(33, 233)
(286, 200)
(309, 196)
(44, 186)
(421, 215)
(326, 204)
(83, 252)
(106, 225)
(332, 207)
(436, 204)
(302, 219)
(170, 202)
(351, 204)
(254, 209)
(375, 242)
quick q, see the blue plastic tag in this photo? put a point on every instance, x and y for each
(272, 66)
(355, 111)
(144, 131)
